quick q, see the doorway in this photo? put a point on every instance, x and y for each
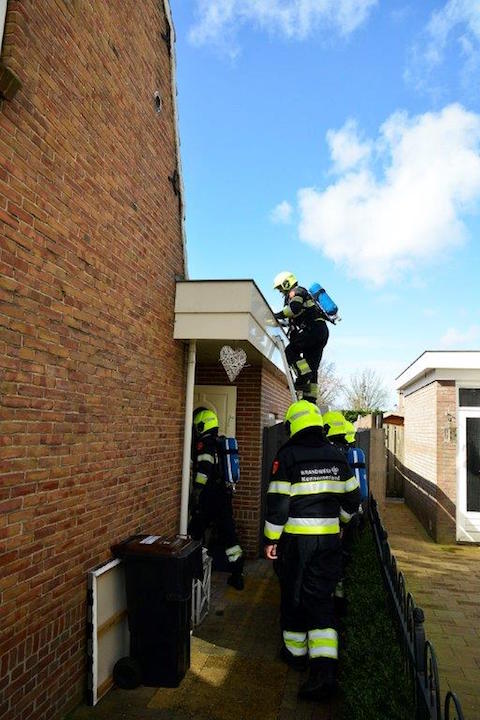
(222, 399)
(468, 473)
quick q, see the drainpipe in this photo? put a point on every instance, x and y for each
(187, 442)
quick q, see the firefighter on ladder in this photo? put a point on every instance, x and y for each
(311, 494)
(308, 333)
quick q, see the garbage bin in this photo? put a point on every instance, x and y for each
(158, 573)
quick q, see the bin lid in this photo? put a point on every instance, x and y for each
(156, 546)
(170, 563)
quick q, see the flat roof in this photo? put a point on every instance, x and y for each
(445, 360)
(216, 312)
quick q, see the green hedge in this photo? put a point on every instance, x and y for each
(372, 673)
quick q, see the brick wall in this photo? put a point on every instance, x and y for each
(420, 451)
(90, 241)
(446, 462)
(430, 461)
(275, 394)
(259, 391)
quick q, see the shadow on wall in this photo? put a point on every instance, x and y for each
(431, 505)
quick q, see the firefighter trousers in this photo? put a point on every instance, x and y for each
(215, 508)
(309, 568)
(307, 345)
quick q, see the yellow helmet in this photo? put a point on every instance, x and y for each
(300, 415)
(350, 432)
(336, 423)
(285, 281)
(204, 420)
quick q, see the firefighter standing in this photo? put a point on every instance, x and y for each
(211, 501)
(311, 493)
(308, 333)
(335, 427)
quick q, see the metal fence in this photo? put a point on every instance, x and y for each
(419, 654)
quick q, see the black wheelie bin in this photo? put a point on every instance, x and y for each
(158, 573)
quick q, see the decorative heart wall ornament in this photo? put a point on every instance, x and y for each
(233, 360)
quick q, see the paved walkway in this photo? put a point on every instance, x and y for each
(445, 582)
(235, 673)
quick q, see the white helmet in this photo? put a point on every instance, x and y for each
(285, 281)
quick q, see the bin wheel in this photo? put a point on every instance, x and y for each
(127, 673)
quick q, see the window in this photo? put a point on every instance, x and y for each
(469, 397)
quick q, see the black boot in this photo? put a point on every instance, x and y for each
(296, 662)
(321, 682)
(236, 581)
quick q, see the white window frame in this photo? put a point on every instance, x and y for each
(3, 15)
(468, 523)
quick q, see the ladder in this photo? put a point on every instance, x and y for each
(281, 349)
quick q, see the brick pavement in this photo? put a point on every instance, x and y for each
(445, 582)
(235, 673)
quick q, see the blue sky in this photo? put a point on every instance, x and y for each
(340, 140)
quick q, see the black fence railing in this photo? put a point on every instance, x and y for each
(419, 654)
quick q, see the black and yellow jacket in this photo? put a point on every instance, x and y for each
(301, 309)
(312, 488)
(205, 462)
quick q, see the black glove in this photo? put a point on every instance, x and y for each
(280, 316)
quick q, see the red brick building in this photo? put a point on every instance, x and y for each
(92, 404)
(440, 398)
(91, 240)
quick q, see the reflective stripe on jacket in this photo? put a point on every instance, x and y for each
(312, 488)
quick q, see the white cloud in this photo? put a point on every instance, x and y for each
(467, 338)
(458, 21)
(219, 20)
(282, 213)
(346, 149)
(402, 207)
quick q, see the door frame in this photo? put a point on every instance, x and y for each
(468, 523)
(231, 420)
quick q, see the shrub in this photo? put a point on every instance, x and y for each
(374, 683)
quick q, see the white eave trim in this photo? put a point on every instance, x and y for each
(439, 365)
(226, 310)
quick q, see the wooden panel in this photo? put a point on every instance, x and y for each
(108, 634)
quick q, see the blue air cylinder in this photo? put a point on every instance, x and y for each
(323, 298)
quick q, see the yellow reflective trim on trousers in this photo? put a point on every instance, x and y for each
(303, 367)
(207, 457)
(294, 635)
(295, 643)
(317, 633)
(351, 484)
(201, 479)
(322, 642)
(233, 554)
(329, 652)
(318, 486)
(312, 529)
(281, 487)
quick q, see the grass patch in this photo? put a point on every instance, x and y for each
(372, 673)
